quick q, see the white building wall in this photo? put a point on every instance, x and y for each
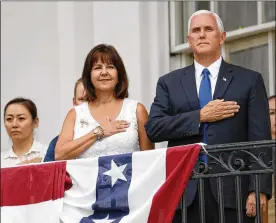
(44, 45)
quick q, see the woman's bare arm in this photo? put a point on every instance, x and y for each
(66, 147)
(142, 117)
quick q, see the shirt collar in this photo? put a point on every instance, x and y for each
(36, 146)
(213, 68)
(9, 154)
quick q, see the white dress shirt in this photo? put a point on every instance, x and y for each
(9, 158)
(214, 70)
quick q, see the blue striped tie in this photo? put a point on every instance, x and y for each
(205, 96)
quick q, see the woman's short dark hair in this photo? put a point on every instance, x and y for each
(76, 85)
(106, 54)
(27, 103)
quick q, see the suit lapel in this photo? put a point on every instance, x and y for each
(225, 77)
(189, 85)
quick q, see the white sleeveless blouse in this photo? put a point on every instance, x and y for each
(124, 142)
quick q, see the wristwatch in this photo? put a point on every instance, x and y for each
(98, 131)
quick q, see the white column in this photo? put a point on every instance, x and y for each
(154, 47)
(155, 55)
(29, 66)
(83, 32)
(66, 39)
(271, 62)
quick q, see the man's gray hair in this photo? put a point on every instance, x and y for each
(218, 19)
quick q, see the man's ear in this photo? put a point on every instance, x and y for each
(188, 40)
(222, 38)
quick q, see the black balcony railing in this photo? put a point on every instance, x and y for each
(260, 160)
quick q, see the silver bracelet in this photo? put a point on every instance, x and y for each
(100, 137)
(96, 132)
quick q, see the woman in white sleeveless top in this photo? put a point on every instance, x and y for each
(109, 123)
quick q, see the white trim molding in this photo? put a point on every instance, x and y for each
(260, 12)
(271, 62)
(172, 24)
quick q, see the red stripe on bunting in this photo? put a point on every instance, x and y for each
(180, 162)
(31, 184)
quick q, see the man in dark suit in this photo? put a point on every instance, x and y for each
(213, 102)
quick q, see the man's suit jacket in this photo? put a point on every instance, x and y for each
(50, 155)
(175, 117)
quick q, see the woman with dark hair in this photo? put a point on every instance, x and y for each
(109, 123)
(20, 118)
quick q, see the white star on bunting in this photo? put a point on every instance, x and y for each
(116, 172)
(106, 220)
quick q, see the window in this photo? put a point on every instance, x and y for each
(268, 11)
(202, 5)
(245, 14)
(255, 52)
(255, 58)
